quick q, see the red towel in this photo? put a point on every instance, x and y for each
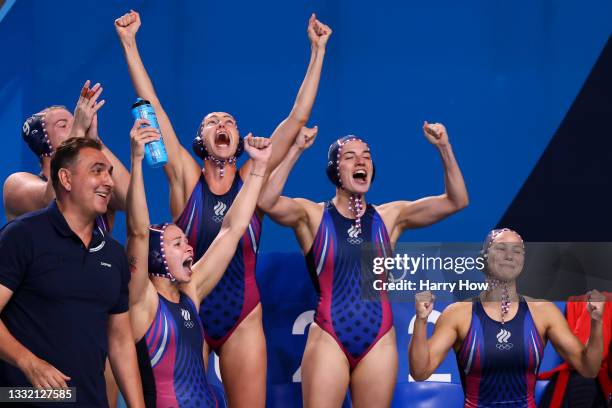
(579, 322)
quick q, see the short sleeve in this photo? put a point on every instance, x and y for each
(122, 304)
(15, 254)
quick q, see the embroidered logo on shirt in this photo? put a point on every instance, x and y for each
(187, 316)
(502, 340)
(106, 264)
(219, 210)
(353, 234)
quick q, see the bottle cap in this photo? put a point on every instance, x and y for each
(140, 102)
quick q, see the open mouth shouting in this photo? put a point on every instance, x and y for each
(360, 176)
(187, 263)
(222, 139)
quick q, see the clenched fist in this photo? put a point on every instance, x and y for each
(596, 302)
(258, 148)
(318, 33)
(424, 302)
(127, 25)
(306, 137)
(435, 133)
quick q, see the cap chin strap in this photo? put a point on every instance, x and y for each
(221, 163)
(164, 264)
(496, 283)
(168, 276)
(505, 296)
(356, 207)
(355, 200)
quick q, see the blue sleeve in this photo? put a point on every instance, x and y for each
(15, 254)
(122, 304)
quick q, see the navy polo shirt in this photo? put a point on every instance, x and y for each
(63, 293)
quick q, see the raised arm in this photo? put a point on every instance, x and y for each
(182, 170)
(425, 356)
(209, 269)
(25, 192)
(121, 176)
(291, 212)
(86, 125)
(586, 359)
(287, 130)
(143, 296)
(402, 215)
(283, 210)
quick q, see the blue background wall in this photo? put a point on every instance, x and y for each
(500, 75)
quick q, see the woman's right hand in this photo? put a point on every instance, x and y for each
(318, 33)
(424, 302)
(127, 26)
(86, 109)
(141, 136)
(306, 137)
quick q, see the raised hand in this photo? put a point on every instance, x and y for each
(43, 375)
(318, 33)
(435, 133)
(258, 148)
(596, 303)
(127, 25)
(306, 137)
(424, 302)
(140, 136)
(92, 132)
(86, 108)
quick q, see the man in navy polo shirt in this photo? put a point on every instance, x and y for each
(64, 288)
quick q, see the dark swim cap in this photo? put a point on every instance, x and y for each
(333, 158)
(158, 266)
(34, 132)
(35, 135)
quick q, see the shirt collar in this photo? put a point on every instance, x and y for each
(58, 220)
(62, 227)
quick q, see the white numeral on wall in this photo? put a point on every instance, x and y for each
(299, 328)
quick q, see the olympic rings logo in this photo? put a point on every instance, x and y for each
(217, 218)
(354, 241)
(505, 347)
(189, 324)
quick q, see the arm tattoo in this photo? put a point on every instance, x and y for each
(132, 262)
